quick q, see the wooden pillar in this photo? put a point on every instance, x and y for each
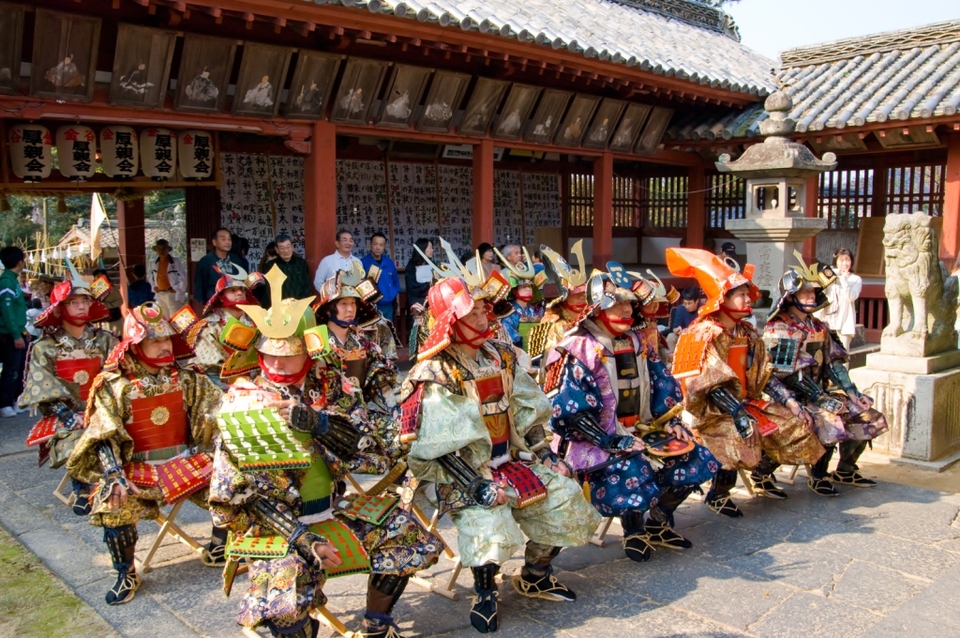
(602, 210)
(950, 237)
(696, 206)
(130, 240)
(482, 228)
(320, 194)
(202, 220)
(811, 208)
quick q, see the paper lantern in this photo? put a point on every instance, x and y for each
(158, 153)
(119, 151)
(77, 152)
(31, 152)
(196, 154)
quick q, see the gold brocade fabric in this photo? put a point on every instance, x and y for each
(792, 443)
(109, 410)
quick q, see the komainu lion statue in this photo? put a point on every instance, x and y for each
(921, 297)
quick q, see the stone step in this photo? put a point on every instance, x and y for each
(858, 354)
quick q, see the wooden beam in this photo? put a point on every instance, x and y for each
(950, 236)
(320, 194)
(482, 224)
(602, 210)
(696, 206)
(130, 238)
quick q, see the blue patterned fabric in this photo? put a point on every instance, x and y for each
(665, 391)
(533, 312)
(626, 486)
(689, 470)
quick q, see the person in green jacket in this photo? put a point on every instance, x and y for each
(13, 329)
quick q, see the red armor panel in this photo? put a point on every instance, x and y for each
(737, 359)
(490, 391)
(158, 422)
(81, 372)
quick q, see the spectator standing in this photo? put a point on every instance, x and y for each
(297, 284)
(13, 329)
(380, 268)
(168, 277)
(139, 290)
(269, 254)
(418, 274)
(341, 259)
(683, 315)
(206, 278)
(34, 311)
(487, 260)
(841, 314)
(240, 247)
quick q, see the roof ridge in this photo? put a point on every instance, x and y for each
(693, 12)
(928, 35)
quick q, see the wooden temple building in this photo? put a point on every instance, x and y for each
(478, 120)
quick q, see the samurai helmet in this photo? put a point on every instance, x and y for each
(282, 325)
(815, 277)
(233, 276)
(569, 280)
(524, 274)
(349, 284)
(715, 276)
(75, 285)
(147, 322)
(655, 299)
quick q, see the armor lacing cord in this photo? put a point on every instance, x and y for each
(463, 333)
(286, 379)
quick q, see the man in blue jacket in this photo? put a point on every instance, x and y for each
(13, 329)
(380, 268)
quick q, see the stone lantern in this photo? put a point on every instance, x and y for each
(776, 174)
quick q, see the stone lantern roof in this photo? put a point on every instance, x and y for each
(777, 155)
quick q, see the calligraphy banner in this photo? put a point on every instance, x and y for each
(245, 200)
(541, 203)
(362, 201)
(286, 187)
(507, 211)
(413, 206)
(456, 208)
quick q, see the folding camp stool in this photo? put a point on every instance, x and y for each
(168, 525)
(792, 474)
(601, 533)
(325, 616)
(69, 497)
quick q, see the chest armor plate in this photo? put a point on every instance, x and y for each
(356, 368)
(79, 371)
(158, 422)
(493, 407)
(815, 345)
(628, 381)
(738, 359)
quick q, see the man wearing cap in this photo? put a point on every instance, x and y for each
(63, 363)
(294, 526)
(477, 421)
(149, 426)
(168, 277)
(810, 360)
(608, 388)
(726, 371)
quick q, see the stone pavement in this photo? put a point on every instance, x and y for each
(873, 562)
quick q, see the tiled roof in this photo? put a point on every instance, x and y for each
(900, 75)
(674, 38)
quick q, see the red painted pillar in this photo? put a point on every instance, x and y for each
(950, 237)
(482, 228)
(602, 210)
(320, 194)
(201, 224)
(130, 239)
(811, 208)
(696, 206)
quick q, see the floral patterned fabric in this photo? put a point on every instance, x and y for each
(283, 590)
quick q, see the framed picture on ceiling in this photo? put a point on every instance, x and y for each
(205, 65)
(574, 125)
(403, 95)
(482, 106)
(653, 130)
(141, 66)
(547, 117)
(312, 82)
(263, 71)
(626, 133)
(443, 100)
(515, 111)
(603, 123)
(11, 38)
(358, 90)
(64, 56)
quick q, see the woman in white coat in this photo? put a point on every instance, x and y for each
(841, 314)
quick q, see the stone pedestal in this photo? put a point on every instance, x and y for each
(771, 242)
(919, 397)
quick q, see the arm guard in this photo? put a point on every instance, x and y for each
(724, 399)
(777, 391)
(306, 419)
(841, 376)
(586, 426)
(108, 459)
(65, 415)
(340, 437)
(483, 491)
(284, 523)
(803, 386)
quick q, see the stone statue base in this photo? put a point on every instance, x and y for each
(918, 396)
(915, 344)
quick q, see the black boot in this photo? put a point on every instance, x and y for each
(307, 627)
(536, 579)
(718, 498)
(659, 526)
(215, 553)
(819, 480)
(383, 592)
(764, 483)
(635, 543)
(483, 615)
(122, 543)
(81, 501)
(846, 472)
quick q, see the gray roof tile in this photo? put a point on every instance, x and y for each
(658, 35)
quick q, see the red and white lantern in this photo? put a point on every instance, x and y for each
(158, 153)
(77, 152)
(119, 151)
(196, 154)
(31, 152)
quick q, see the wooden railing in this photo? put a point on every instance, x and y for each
(872, 312)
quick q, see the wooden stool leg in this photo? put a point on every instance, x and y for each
(747, 483)
(598, 538)
(168, 525)
(327, 618)
(69, 498)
